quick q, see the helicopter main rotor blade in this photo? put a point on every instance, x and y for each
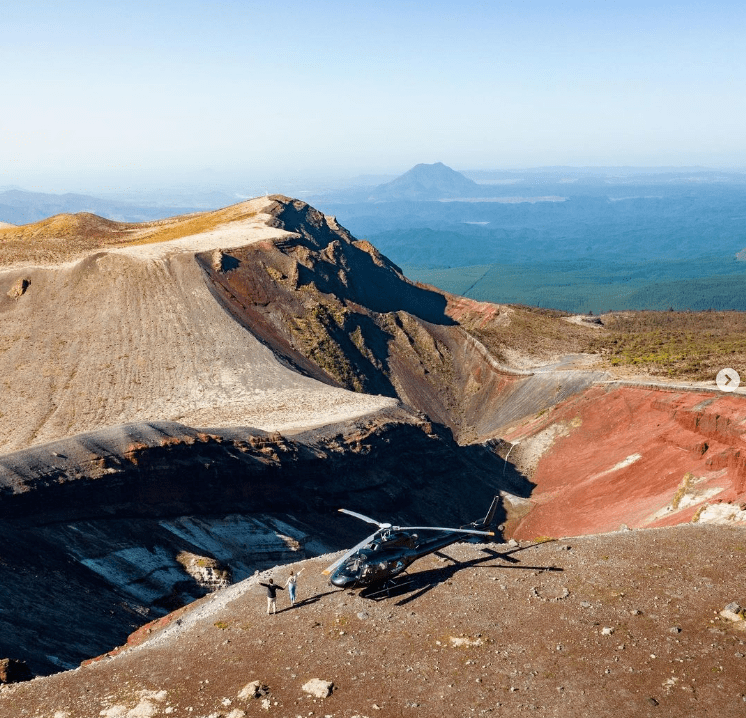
(332, 567)
(443, 528)
(365, 518)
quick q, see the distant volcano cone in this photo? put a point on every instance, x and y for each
(427, 182)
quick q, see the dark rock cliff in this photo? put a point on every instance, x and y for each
(336, 309)
(93, 526)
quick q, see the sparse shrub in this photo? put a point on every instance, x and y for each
(684, 487)
(689, 345)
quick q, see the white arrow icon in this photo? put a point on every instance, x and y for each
(727, 379)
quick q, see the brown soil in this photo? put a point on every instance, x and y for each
(615, 625)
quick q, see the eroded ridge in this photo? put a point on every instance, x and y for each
(134, 334)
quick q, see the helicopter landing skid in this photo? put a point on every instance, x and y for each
(389, 586)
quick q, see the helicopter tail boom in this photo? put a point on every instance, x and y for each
(488, 519)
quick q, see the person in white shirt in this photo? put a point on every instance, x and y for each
(291, 584)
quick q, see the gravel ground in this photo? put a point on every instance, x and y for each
(622, 624)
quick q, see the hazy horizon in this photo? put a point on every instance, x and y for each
(101, 95)
(246, 185)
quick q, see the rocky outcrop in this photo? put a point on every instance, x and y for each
(208, 572)
(14, 671)
(336, 309)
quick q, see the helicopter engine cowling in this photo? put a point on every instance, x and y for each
(365, 572)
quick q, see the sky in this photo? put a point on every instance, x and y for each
(96, 95)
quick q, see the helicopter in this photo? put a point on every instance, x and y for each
(391, 549)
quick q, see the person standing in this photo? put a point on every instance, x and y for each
(272, 589)
(291, 585)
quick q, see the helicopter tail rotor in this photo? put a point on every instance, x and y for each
(489, 518)
(485, 523)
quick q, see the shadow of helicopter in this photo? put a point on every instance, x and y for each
(423, 581)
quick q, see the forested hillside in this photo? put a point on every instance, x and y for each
(577, 242)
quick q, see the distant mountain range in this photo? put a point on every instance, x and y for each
(428, 182)
(20, 207)
(424, 182)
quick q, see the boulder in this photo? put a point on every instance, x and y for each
(19, 288)
(733, 612)
(255, 689)
(14, 671)
(318, 688)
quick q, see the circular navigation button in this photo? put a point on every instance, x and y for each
(728, 379)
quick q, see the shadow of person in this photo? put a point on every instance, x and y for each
(306, 601)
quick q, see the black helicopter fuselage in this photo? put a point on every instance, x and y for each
(386, 557)
(391, 549)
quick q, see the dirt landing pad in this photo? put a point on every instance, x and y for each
(622, 624)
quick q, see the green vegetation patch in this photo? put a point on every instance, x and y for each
(532, 331)
(692, 345)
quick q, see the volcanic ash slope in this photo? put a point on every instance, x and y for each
(133, 334)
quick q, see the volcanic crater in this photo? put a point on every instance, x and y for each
(216, 385)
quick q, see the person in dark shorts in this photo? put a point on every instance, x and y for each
(272, 589)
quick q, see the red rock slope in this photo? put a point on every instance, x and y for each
(632, 455)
